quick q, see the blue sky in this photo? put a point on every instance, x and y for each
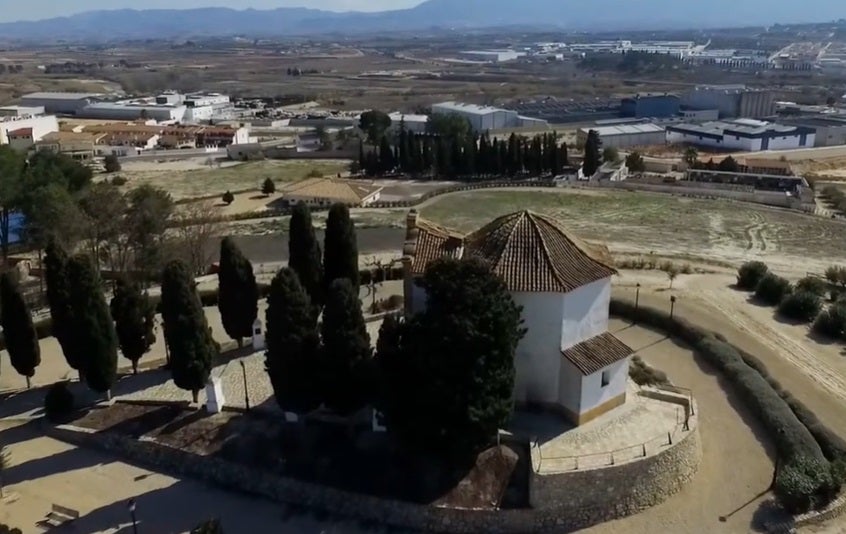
(12, 10)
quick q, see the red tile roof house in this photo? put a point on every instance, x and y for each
(568, 362)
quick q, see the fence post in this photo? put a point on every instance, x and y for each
(577, 463)
(644, 449)
(669, 438)
(612, 458)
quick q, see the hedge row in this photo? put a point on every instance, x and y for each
(806, 479)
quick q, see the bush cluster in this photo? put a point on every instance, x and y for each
(801, 306)
(806, 478)
(392, 303)
(644, 375)
(836, 196)
(750, 274)
(59, 402)
(772, 289)
(831, 323)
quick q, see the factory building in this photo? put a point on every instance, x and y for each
(653, 106)
(59, 103)
(830, 131)
(742, 134)
(491, 56)
(625, 135)
(732, 101)
(485, 118)
(21, 111)
(130, 112)
(411, 123)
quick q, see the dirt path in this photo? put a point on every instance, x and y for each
(731, 487)
(810, 371)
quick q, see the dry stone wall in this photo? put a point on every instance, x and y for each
(570, 501)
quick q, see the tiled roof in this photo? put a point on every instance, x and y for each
(533, 253)
(333, 190)
(597, 353)
(27, 132)
(434, 242)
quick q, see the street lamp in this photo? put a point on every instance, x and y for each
(637, 296)
(672, 305)
(131, 506)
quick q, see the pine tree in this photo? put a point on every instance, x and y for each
(238, 292)
(292, 344)
(58, 298)
(186, 330)
(304, 255)
(134, 317)
(18, 330)
(593, 157)
(346, 349)
(340, 248)
(94, 330)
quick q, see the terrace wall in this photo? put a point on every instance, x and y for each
(565, 501)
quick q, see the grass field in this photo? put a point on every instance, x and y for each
(194, 183)
(639, 222)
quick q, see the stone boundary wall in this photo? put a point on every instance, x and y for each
(581, 498)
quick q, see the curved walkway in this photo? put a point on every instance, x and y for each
(729, 492)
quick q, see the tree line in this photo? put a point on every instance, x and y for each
(468, 156)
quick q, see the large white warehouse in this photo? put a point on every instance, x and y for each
(742, 134)
(626, 135)
(61, 103)
(484, 118)
(131, 112)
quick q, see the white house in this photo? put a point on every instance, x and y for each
(568, 361)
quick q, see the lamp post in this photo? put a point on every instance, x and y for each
(672, 305)
(246, 391)
(131, 506)
(637, 296)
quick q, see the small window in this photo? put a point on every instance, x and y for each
(606, 378)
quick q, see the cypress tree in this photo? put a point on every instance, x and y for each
(186, 330)
(388, 359)
(238, 292)
(593, 156)
(340, 247)
(346, 348)
(134, 317)
(18, 330)
(58, 298)
(94, 330)
(292, 344)
(304, 255)
(564, 157)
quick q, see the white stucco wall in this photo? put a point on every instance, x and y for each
(570, 387)
(593, 394)
(585, 313)
(538, 358)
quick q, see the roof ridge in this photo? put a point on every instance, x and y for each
(547, 256)
(577, 242)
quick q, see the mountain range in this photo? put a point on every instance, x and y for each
(588, 15)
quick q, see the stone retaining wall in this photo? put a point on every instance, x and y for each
(580, 499)
(611, 492)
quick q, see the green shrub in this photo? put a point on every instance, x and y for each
(831, 323)
(801, 306)
(119, 181)
(6, 529)
(644, 375)
(212, 526)
(812, 284)
(772, 289)
(806, 478)
(804, 484)
(59, 402)
(750, 273)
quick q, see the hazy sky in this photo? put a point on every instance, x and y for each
(12, 10)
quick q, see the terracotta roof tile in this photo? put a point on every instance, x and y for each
(597, 353)
(434, 242)
(533, 253)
